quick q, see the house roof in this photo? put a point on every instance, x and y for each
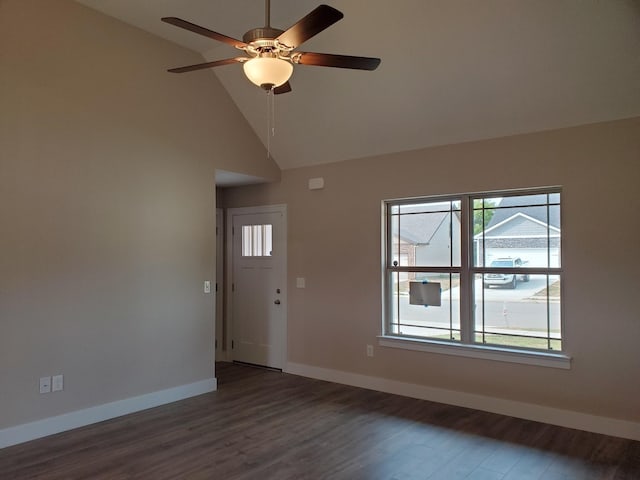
(509, 207)
(419, 228)
(520, 225)
(514, 219)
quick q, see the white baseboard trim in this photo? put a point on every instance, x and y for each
(80, 418)
(527, 411)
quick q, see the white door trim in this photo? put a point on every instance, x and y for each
(284, 299)
(219, 291)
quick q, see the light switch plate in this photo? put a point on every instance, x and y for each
(207, 286)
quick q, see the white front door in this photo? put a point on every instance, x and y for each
(258, 296)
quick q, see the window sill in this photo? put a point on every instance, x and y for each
(541, 359)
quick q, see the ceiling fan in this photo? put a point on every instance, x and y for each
(271, 52)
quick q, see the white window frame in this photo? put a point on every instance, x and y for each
(466, 347)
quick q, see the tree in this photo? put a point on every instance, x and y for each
(480, 211)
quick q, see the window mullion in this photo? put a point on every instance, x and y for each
(466, 279)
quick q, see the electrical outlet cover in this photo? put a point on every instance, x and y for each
(45, 384)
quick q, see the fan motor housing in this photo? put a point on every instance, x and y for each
(266, 33)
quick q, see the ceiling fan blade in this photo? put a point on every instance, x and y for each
(284, 88)
(339, 61)
(322, 17)
(201, 66)
(192, 27)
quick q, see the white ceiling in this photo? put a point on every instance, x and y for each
(452, 70)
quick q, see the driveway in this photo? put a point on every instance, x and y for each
(524, 291)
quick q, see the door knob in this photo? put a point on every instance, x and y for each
(277, 302)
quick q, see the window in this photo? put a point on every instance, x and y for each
(257, 240)
(475, 270)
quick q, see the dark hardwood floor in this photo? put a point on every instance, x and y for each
(262, 424)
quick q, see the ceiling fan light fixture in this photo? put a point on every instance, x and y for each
(268, 72)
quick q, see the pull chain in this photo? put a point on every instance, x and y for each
(273, 112)
(271, 119)
(268, 125)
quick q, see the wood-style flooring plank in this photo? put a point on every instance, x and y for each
(262, 424)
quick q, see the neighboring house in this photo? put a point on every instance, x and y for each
(521, 231)
(425, 240)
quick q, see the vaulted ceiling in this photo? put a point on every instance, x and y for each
(452, 70)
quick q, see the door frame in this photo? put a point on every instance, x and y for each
(228, 291)
(220, 334)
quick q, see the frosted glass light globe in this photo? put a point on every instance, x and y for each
(267, 72)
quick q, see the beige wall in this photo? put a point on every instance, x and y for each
(334, 241)
(107, 208)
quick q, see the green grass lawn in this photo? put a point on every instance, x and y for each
(520, 342)
(511, 341)
(554, 290)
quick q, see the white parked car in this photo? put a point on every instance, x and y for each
(509, 280)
